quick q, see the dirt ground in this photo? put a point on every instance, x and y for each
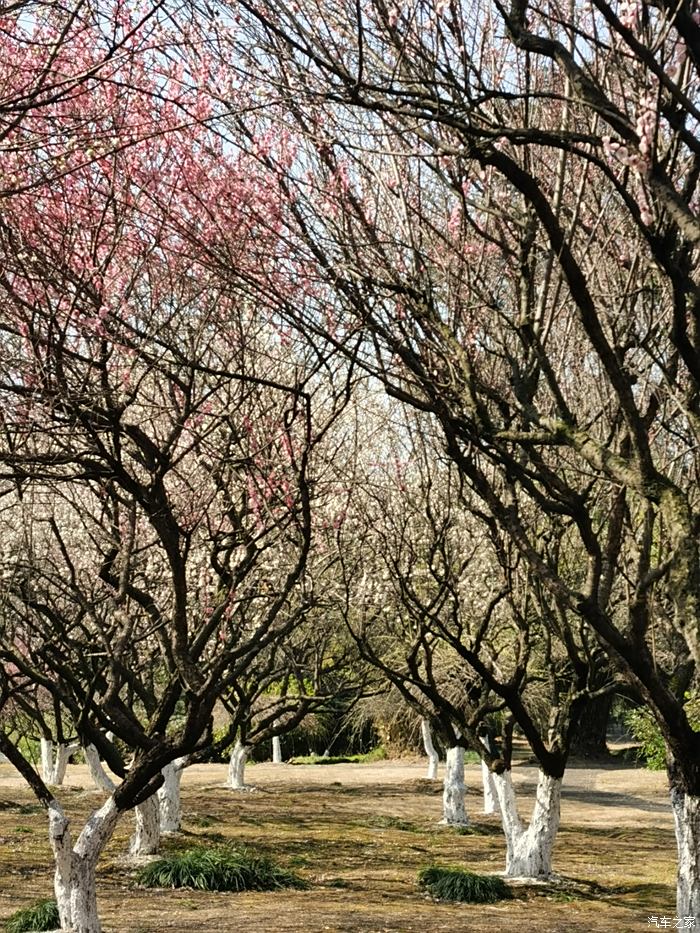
(359, 834)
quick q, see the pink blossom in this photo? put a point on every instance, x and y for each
(629, 13)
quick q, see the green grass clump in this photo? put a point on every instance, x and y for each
(377, 754)
(220, 868)
(458, 884)
(40, 916)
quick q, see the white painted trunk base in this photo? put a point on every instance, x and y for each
(74, 882)
(276, 750)
(529, 851)
(490, 792)
(686, 816)
(101, 779)
(169, 796)
(54, 761)
(59, 837)
(430, 751)
(146, 838)
(454, 811)
(236, 767)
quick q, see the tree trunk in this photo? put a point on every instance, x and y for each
(53, 766)
(47, 760)
(490, 792)
(454, 812)
(590, 736)
(236, 768)
(74, 882)
(529, 851)
(276, 750)
(59, 837)
(99, 776)
(686, 815)
(433, 758)
(146, 838)
(169, 796)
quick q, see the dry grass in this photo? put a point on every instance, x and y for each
(359, 835)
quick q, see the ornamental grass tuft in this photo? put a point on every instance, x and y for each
(40, 916)
(458, 884)
(219, 868)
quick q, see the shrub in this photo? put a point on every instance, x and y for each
(458, 884)
(40, 916)
(644, 728)
(221, 868)
(377, 754)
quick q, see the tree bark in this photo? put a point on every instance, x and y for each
(590, 736)
(99, 776)
(491, 804)
(430, 751)
(236, 768)
(686, 815)
(74, 882)
(54, 761)
(60, 840)
(454, 812)
(169, 796)
(146, 838)
(529, 851)
(490, 792)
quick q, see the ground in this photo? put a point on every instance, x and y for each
(359, 834)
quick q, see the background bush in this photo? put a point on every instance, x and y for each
(644, 728)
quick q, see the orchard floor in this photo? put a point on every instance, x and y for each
(359, 834)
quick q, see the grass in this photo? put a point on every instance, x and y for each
(475, 829)
(203, 820)
(393, 822)
(40, 916)
(362, 873)
(458, 884)
(220, 868)
(377, 754)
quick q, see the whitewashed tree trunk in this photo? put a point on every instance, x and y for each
(74, 882)
(169, 796)
(433, 758)
(490, 792)
(686, 815)
(60, 839)
(454, 812)
(276, 750)
(54, 761)
(146, 838)
(529, 851)
(91, 841)
(98, 774)
(46, 760)
(236, 767)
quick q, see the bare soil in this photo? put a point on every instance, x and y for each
(359, 834)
